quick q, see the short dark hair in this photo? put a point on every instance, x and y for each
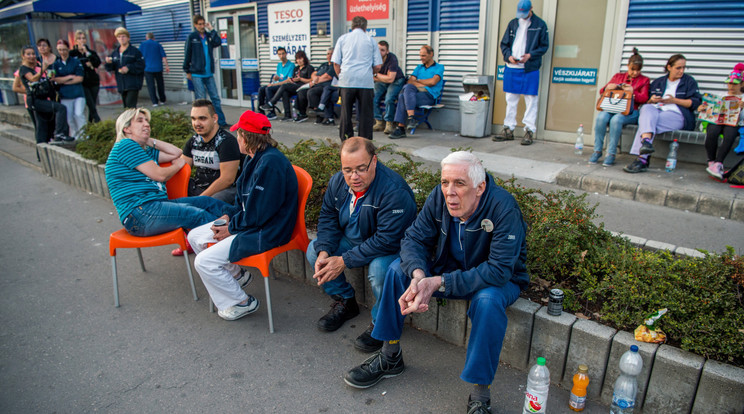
(281, 48)
(672, 60)
(384, 43)
(43, 40)
(150, 35)
(354, 144)
(359, 22)
(197, 18)
(204, 103)
(24, 48)
(428, 48)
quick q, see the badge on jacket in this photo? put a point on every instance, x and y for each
(487, 225)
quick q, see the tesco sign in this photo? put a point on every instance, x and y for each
(289, 27)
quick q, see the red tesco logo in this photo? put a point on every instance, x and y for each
(288, 14)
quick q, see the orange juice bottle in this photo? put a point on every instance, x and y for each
(577, 401)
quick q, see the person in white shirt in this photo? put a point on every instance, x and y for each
(356, 58)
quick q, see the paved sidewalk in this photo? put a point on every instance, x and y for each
(65, 348)
(689, 188)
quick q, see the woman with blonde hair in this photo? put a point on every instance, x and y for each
(136, 181)
(128, 66)
(91, 81)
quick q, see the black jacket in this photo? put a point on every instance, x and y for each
(194, 60)
(537, 42)
(132, 59)
(91, 77)
(687, 89)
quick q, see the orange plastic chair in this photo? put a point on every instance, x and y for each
(299, 240)
(177, 187)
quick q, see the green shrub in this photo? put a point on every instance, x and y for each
(165, 124)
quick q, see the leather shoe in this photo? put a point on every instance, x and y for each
(341, 311)
(329, 121)
(375, 369)
(366, 343)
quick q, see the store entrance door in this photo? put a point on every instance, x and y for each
(238, 75)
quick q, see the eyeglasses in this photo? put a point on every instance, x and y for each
(359, 171)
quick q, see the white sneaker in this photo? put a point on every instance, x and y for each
(238, 311)
(715, 170)
(245, 278)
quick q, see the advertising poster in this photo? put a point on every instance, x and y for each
(289, 27)
(720, 110)
(369, 9)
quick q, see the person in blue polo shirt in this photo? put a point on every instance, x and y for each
(423, 88)
(69, 76)
(283, 74)
(198, 63)
(155, 60)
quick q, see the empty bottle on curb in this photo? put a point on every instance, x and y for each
(671, 163)
(626, 386)
(538, 385)
(579, 146)
(577, 399)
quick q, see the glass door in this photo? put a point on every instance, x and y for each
(237, 61)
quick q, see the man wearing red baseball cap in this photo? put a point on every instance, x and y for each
(262, 218)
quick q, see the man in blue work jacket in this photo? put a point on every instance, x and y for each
(468, 242)
(198, 63)
(366, 210)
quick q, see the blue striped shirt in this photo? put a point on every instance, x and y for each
(130, 188)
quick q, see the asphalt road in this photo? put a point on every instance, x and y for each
(64, 348)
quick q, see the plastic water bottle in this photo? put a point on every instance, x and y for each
(579, 146)
(671, 163)
(626, 386)
(538, 385)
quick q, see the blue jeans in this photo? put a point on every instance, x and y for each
(408, 99)
(202, 86)
(339, 286)
(157, 217)
(390, 92)
(616, 121)
(487, 315)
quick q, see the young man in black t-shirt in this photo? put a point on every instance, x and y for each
(214, 154)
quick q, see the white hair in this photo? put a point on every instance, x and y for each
(476, 172)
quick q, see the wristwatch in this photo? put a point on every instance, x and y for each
(441, 287)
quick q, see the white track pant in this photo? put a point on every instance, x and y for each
(75, 114)
(530, 114)
(214, 267)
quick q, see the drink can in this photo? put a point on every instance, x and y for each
(220, 222)
(555, 302)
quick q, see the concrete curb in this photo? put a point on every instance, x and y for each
(698, 202)
(563, 340)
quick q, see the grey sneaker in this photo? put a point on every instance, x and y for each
(479, 407)
(238, 311)
(245, 278)
(528, 137)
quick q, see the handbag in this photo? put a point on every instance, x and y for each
(616, 101)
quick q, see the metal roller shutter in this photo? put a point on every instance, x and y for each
(176, 79)
(169, 22)
(710, 34)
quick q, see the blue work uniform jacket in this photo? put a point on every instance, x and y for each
(687, 89)
(194, 60)
(537, 42)
(492, 258)
(132, 59)
(387, 209)
(267, 204)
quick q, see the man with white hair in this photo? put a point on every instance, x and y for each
(468, 242)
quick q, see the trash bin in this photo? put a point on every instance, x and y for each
(475, 106)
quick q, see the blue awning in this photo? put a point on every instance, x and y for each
(78, 7)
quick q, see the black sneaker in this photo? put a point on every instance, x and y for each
(329, 121)
(287, 119)
(366, 343)
(268, 106)
(399, 132)
(319, 120)
(636, 166)
(506, 135)
(301, 118)
(271, 115)
(412, 123)
(341, 311)
(479, 407)
(646, 147)
(374, 370)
